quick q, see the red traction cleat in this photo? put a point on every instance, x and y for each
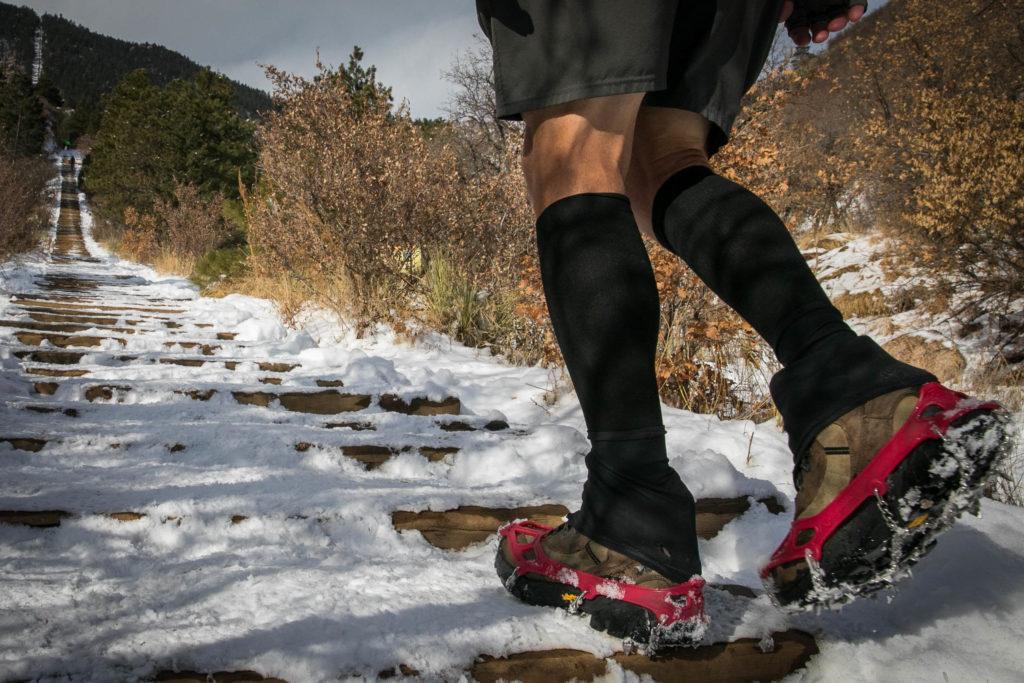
(888, 515)
(651, 617)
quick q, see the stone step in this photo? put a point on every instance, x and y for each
(420, 406)
(57, 327)
(464, 426)
(91, 307)
(22, 443)
(40, 519)
(69, 412)
(470, 524)
(319, 403)
(51, 357)
(744, 660)
(50, 372)
(40, 317)
(373, 456)
(205, 349)
(63, 341)
(46, 388)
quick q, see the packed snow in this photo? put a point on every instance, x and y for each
(315, 584)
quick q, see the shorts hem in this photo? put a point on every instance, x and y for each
(513, 110)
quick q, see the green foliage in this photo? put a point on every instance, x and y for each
(430, 127)
(22, 124)
(365, 91)
(233, 213)
(109, 60)
(152, 138)
(225, 263)
(17, 34)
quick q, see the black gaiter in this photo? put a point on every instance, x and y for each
(742, 250)
(604, 309)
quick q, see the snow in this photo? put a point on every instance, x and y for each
(315, 584)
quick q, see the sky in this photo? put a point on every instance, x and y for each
(410, 41)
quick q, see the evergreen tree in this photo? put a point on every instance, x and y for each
(22, 120)
(361, 83)
(152, 137)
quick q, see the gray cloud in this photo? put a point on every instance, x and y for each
(410, 41)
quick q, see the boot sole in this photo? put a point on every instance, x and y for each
(614, 617)
(876, 546)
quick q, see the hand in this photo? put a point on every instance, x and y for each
(819, 31)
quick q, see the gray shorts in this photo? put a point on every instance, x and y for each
(697, 55)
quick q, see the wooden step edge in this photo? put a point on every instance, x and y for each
(466, 525)
(745, 659)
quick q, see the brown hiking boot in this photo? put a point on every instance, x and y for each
(877, 486)
(563, 568)
(571, 548)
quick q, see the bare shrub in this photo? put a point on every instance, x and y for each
(22, 215)
(191, 224)
(345, 216)
(863, 304)
(140, 238)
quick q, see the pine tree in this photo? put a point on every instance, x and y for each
(22, 121)
(151, 138)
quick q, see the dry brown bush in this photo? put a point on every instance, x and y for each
(140, 238)
(191, 223)
(174, 234)
(910, 122)
(355, 204)
(22, 215)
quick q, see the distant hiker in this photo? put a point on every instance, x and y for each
(624, 103)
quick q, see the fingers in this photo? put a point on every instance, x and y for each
(787, 9)
(800, 35)
(819, 31)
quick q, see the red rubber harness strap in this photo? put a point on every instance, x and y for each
(683, 601)
(915, 431)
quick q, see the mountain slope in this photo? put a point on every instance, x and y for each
(85, 64)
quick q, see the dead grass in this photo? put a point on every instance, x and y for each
(863, 304)
(171, 262)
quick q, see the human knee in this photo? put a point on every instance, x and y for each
(666, 142)
(576, 148)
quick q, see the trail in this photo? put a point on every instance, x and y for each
(191, 487)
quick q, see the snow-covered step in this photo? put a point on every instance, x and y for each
(372, 456)
(54, 372)
(213, 677)
(49, 410)
(42, 316)
(50, 357)
(322, 402)
(55, 327)
(73, 305)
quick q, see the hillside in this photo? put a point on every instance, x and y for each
(85, 64)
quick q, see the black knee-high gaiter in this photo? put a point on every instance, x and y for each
(604, 309)
(741, 249)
